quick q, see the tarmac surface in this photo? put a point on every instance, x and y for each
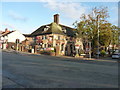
(22, 70)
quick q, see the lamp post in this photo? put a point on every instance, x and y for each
(17, 42)
(90, 50)
(98, 38)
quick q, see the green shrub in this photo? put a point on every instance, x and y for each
(81, 52)
(113, 51)
(47, 52)
(103, 53)
(51, 51)
(77, 55)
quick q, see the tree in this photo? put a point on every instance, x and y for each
(82, 30)
(93, 24)
(115, 36)
(105, 35)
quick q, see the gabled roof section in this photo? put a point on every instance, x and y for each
(5, 34)
(27, 35)
(54, 28)
(39, 31)
(69, 31)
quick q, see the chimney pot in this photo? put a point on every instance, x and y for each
(6, 30)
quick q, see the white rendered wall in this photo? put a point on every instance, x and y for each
(15, 35)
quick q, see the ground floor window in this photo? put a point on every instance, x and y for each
(45, 45)
(50, 45)
(62, 47)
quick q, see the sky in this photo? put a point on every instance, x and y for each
(27, 16)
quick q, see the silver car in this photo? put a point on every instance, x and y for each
(116, 56)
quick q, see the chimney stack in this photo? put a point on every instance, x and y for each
(56, 18)
(6, 30)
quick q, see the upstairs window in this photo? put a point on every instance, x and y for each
(50, 45)
(33, 38)
(46, 28)
(64, 30)
(44, 37)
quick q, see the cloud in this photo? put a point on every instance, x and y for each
(115, 22)
(61, 0)
(16, 16)
(68, 9)
(114, 18)
(114, 9)
(14, 27)
(8, 25)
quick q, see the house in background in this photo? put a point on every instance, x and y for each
(1, 41)
(27, 44)
(54, 36)
(9, 38)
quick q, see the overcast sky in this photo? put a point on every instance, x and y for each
(28, 16)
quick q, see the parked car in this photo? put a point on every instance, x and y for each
(116, 56)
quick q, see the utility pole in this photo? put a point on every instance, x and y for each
(98, 38)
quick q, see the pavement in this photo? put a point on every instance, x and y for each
(22, 70)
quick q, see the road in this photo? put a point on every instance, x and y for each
(40, 71)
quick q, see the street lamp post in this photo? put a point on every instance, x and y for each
(98, 38)
(17, 42)
(90, 50)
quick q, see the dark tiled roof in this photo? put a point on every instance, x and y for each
(7, 33)
(69, 31)
(54, 29)
(1, 32)
(27, 35)
(39, 31)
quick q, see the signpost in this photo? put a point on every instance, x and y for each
(17, 42)
(98, 38)
(89, 49)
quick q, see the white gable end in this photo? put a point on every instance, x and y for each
(15, 35)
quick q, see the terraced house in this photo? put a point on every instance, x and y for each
(54, 36)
